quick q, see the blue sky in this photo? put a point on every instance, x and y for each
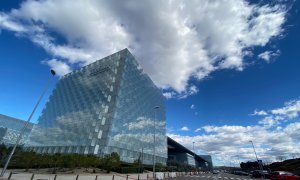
(229, 70)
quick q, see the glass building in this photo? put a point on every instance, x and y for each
(104, 107)
(10, 129)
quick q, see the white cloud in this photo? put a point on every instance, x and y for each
(198, 129)
(170, 129)
(271, 140)
(190, 90)
(290, 110)
(227, 142)
(172, 40)
(268, 121)
(184, 128)
(74, 55)
(259, 113)
(227, 129)
(267, 55)
(169, 95)
(7, 23)
(193, 106)
(293, 130)
(59, 67)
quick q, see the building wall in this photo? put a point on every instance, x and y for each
(3, 131)
(78, 115)
(133, 123)
(10, 129)
(208, 164)
(104, 107)
(184, 158)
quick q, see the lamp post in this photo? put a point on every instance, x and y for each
(140, 161)
(254, 150)
(26, 124)
(155, 108)
(260, 167)
(194, 153)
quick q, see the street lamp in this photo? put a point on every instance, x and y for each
(238, 159)
(254, 150)
(194, 154)
(26, 124)
(155, 108)
(260, 167)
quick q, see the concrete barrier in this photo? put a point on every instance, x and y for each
(159, 175)
(173, 175)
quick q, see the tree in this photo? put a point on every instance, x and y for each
(159, 167)
(280, 158)
(139, 165)
(111, 162)
(3, 154)
(25, 160)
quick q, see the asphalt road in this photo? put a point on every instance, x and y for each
(220, 176)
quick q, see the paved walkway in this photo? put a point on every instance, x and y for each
(114, 176)
(218, 177)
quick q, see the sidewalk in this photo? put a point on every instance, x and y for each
(18, 175)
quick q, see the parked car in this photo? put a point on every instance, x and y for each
(283, 175)
(260, 173)
(216, 171)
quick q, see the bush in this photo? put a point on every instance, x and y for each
(26, 160)
(111, 162)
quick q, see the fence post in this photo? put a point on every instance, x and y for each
(113, 177)
(138, 176)
(32, 176)
(96, 177)
(147, 176)
(127, 177)
(55, 177)
(10, 174)
(77, 177)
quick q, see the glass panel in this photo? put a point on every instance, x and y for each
(103, 121)
(135, 115)
(74, 107)
(100, 134)
(96, 149)
(10, 129)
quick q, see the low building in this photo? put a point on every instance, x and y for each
(10, 129)
(178, 154)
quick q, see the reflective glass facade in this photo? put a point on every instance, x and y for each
(10, 129)
(104, 107)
